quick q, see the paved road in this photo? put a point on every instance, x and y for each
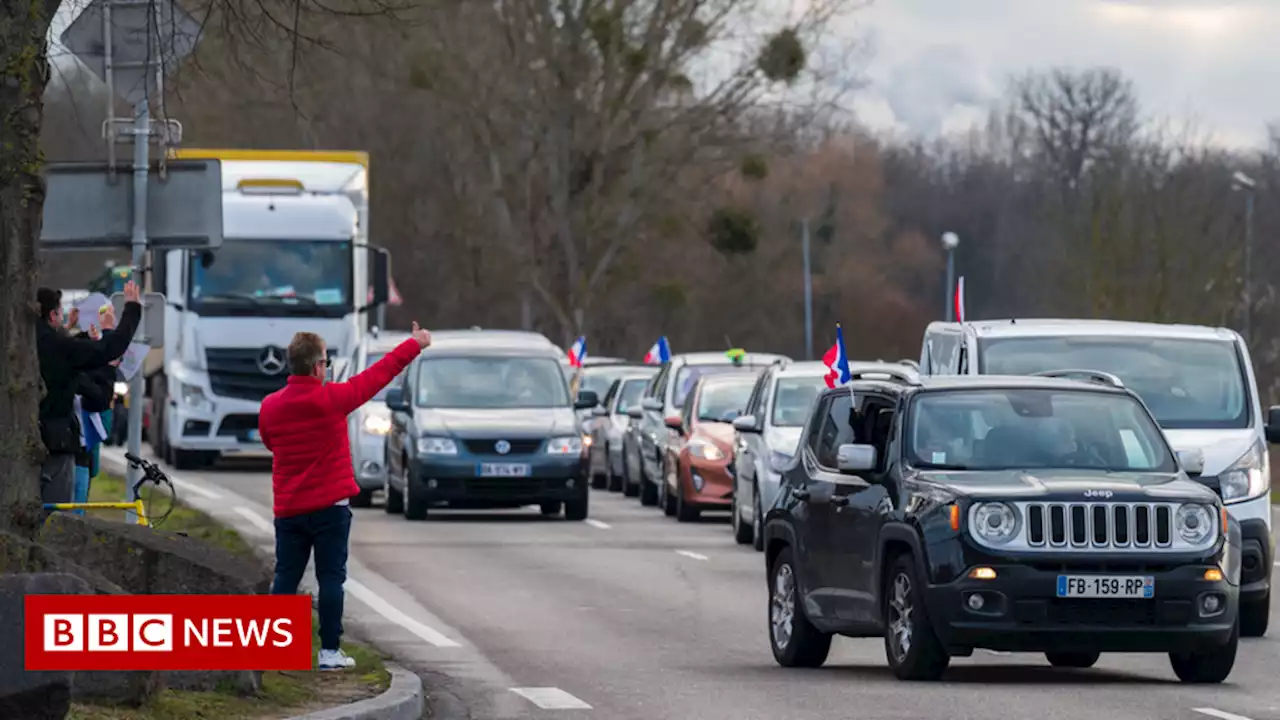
(643, 618)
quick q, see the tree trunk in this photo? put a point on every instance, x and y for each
(24, 70)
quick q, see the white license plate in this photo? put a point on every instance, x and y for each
(502, 470)
(254, 436)
(1106, 586)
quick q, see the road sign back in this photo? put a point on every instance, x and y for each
(135, 52)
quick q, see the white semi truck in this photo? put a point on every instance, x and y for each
(295, 256)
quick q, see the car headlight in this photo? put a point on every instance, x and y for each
(121, 389)
(377, 425)
(995, 523)
(778, 461)
(192, 396)
(1247, 478)
(437, 446)
(569, 445)
(705, 450)
(1194, 523)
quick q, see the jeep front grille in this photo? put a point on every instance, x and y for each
(1099, 525)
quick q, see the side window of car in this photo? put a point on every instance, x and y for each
(753, 402)
(607, 400)
(836, 430)
(655, 388)
(875, 427)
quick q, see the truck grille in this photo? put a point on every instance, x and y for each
(1099, 525)
(234, 373)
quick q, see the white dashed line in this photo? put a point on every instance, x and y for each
(200, 490)
(1221, 715)
(390, 612)
(551, 698)
(694, 555)
(597, 524)
(256, 520)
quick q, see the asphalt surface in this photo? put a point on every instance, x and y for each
(632, 615)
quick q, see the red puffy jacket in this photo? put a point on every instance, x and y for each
(304, 425)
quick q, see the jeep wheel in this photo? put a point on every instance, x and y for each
(795, 641)
(393, 500)
(550, 508)
(742, 532)
(415, 505)
(1255, 615)
(576, 510)
(1072, 659)
(363, 499)
(1207, 666)
(910, 644)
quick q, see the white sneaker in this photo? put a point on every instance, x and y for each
(335, 660)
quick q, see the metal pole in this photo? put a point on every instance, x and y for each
(808, 293)
(1248, 267)
(951, 283)
(141, 151)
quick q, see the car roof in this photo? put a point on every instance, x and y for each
(720, 358)
(595, 361)
(385, 341)
(527, 337)
(1060, 327)
(622, 367)
(931, 383)
(492, 342)
(728, 379)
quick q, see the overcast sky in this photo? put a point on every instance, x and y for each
(937, 63)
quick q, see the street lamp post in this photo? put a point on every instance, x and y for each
(1243, 182)
(808, 293)
(950, 241)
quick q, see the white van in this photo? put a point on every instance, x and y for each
(1198, 383)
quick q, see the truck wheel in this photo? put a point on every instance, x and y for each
(415, 505)
(1072, 659)
(1207, 666)
(1255, 615)
(576, 510)
(550, 508)
(393, 502)
(913, 650)
(363, 499)
(794, 640)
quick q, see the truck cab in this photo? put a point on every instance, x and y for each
(295, 256)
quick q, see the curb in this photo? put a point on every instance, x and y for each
(403, 700)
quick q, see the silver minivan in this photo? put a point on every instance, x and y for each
(1197, 381)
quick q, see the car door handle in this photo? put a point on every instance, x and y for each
(801, 494)
(841, 500)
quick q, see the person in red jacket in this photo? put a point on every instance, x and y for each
(304, 425)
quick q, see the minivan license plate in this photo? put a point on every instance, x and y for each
(503, 470)
(1106, 586)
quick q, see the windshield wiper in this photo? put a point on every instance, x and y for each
(941, 466)
(232, 296)
(291, 299)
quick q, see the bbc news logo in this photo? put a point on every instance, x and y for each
(167, 632)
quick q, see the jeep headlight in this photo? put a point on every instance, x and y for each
(995, 523)
(1194, 523)
(705, 450)
(1247, 478)
(437, 446)
(568, 445)
(377, 425)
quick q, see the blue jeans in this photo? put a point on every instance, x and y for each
(80, 487)
(325, 531)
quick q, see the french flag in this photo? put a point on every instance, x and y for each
(959, 299)
(578, 352)
(659, 353)
(837, 362)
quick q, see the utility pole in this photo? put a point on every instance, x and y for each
(1243, 182)
(950, 241)
(808, 292)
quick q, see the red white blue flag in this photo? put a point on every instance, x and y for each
(960, 300)
(837, 362)
(659, 353)
(578, 352)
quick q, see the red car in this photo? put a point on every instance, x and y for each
(699, 467)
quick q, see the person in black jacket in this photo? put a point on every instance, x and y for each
(63, 357)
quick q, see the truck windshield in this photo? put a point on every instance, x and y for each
(1186, 383)
(479, 382)
(1034, 428)
(273, 276)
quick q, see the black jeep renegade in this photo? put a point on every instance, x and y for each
(1035, 514)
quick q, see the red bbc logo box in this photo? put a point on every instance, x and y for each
(167, 632)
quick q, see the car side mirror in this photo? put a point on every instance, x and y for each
(855, 458)
(1192, 461)
(1273, 425)
(675, 422)
(635, 412)
(653, 404)
(587, 399)
(600, 411)
(395, 400)
(745, 423)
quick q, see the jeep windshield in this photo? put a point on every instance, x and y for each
(1032, 428)
(1185, 383)
(491, 382)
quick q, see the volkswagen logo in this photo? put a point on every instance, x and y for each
(271, 361)
(502, 447)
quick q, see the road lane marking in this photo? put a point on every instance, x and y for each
(598, 524)
(694, 555)
(197, 489)
(1219, 714)
(395, 615)
(551, 698)
(256, 520)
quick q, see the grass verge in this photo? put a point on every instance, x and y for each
(284, 694)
